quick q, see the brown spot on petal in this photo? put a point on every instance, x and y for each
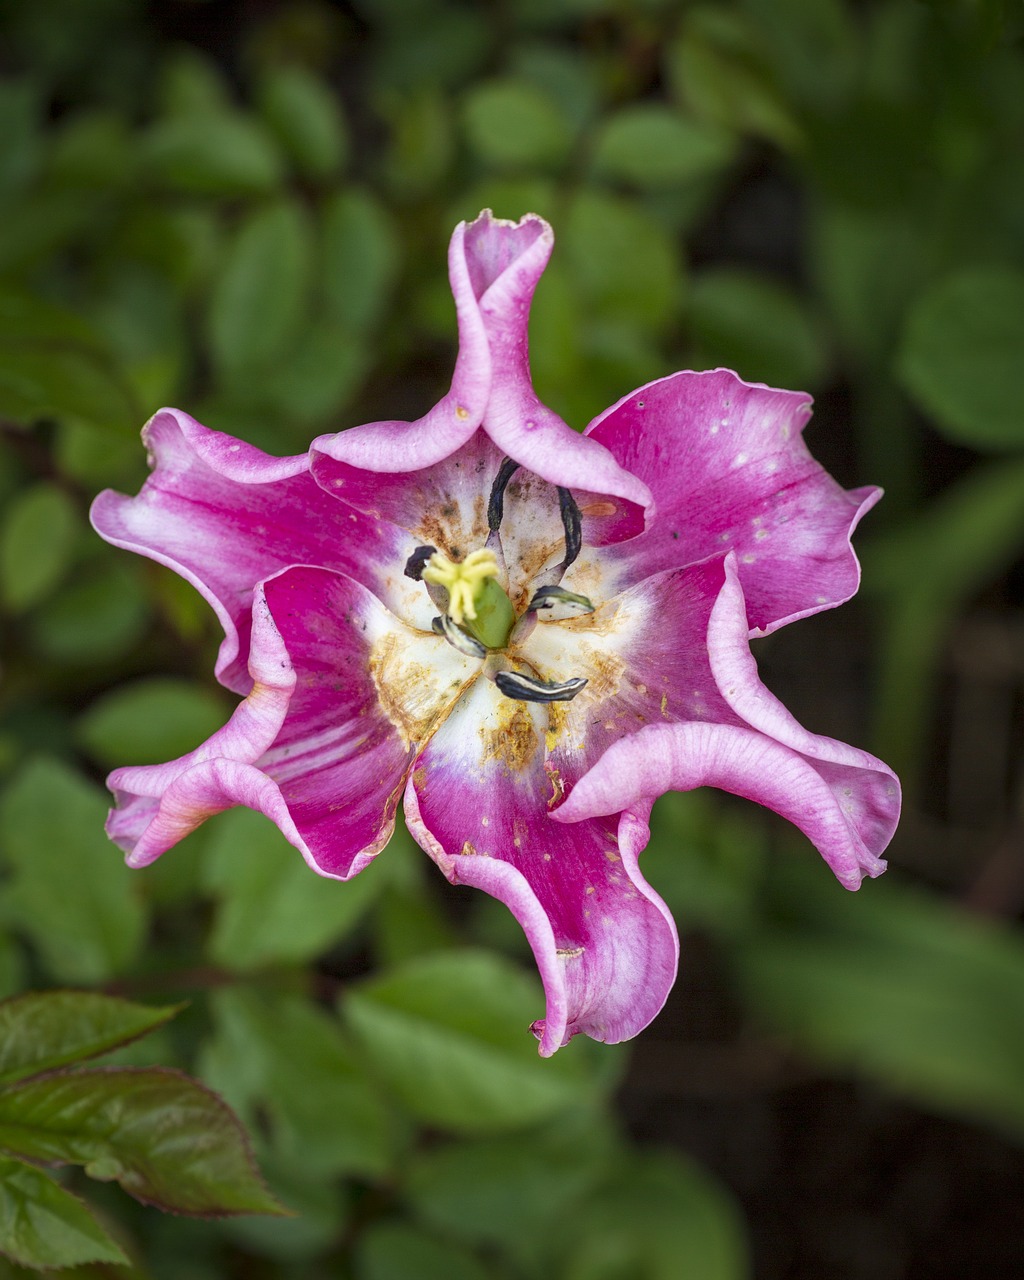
(451, 526)
(569, 953)
(414, 698)
(513, 742)
(557, 785)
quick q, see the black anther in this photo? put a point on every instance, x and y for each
(513, 684)
(417, 562)
(457, 638)
(572, 521)
(496, 502)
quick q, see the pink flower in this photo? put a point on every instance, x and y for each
(529, 701)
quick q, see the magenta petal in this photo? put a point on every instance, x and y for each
(224, 516)
(843, 799)
(369, 692)
(729, 470)
(478, 801)
(313, 747)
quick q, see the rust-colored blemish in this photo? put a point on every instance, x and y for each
(557, 785)
(569, 953)
(468, 849)
(513, 742)
(603, 671)
(444, 525)
(602, 622)
(558, 716)
(598, 509)
(407, 691)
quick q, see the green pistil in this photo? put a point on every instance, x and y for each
(475, 600)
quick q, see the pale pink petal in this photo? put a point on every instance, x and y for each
(494, 266)
(407, 446)
(224, 516)
(478, 800)
(725, 729)
(729, 471)
(158, 805)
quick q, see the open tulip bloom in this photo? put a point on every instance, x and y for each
(523, 634)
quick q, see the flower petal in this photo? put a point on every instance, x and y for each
(494, 266)
(396, 445)
(344, 694)
(729, 471)
(224, 515)
(478, 801)
(746, 742)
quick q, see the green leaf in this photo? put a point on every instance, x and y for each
(167, 1140)
(322, 1212)
(288, 1061)
(37, 544)
(259, 300)
(707, 861)
(513, 124)
(191, 84)
(98, 616)
(652, 146)
(150, 720)
(813, 45)
(716, 68)
(273, 908)
(20, 111)
(867, 264)
(512, 1191)
(626, 267)
(38, 383)
(448, 1032)
(307, 120)
(92, 149)
(42, 1225)
(54, 364)
(318, 376)
(44, 223)
(51, 832)
(46, 1029)
(422, 144)
(758, 326)
(925, 571)
(656, 1213)
(212, 155)
(395, 1251)
(961, 356)
(896, 985)
(360, 255)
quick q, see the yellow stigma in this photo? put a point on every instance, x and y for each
(463, 581)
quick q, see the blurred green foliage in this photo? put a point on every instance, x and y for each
(259, 237)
